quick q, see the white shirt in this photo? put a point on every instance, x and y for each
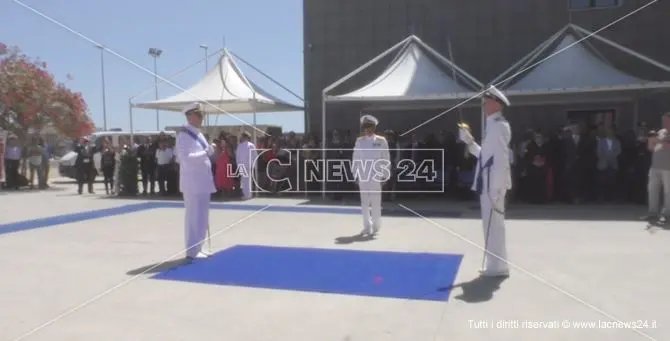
(195, 168)
(164, 156)
(13, 153)
(495, 147)
(368, 151)
(246, 155)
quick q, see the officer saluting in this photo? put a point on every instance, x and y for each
(492, 179)
(371, 168)
(195, 180)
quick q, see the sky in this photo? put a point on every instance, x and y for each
(266, 33)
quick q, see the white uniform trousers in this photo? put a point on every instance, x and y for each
(245, 184)
(659, 181)
(196, 221)
(371, 205)
(246, 181)
(495, 259)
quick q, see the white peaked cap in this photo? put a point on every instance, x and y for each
(192, 106)
(497, 94)
(369, 119)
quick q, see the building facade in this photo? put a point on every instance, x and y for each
(486, 38)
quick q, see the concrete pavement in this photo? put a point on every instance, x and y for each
(84, 274)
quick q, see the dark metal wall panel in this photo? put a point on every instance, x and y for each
(486, 36)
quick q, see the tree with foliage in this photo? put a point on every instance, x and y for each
(31, 99)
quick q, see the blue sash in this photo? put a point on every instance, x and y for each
(197, 138)
(480, 181)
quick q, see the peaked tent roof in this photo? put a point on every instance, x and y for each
(571, 69)
(224, 89)
(575, 67)
(416, 73)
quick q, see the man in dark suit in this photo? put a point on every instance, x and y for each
(84, 165)
(146, 153)
(607, 151)
(576, 154)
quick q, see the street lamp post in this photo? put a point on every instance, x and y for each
(205, 47)
(155, 53)
(104, 96)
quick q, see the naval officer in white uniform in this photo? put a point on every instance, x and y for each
(195, 180)
(371, 169)
(246, 156)
(492, 179)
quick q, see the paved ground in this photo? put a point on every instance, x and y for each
(89, 270)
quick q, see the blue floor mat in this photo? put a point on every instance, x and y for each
(415, 276)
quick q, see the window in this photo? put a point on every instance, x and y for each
(591, 4)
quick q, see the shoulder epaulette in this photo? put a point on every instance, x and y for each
(499, 119)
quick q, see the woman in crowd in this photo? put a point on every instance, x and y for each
(274, 168)
(35, 155)
(225, 182)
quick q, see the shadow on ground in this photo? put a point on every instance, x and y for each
(357, 238)
(480, 289)
(158, 267)
(446, 208)
(70, 182)
(26, 190)
(449, 208)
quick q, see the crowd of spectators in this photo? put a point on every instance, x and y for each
(573, 164)
(26, 164)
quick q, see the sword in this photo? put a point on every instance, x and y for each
(209, 240)
(461, 123)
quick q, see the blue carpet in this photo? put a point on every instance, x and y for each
(132, 208)
(72, 218)
(313, 209)
(416, 276)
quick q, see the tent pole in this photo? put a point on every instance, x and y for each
(267, 76)
(365, 66)
(530, 62)
(402, 49)
(622, 48)
(452, 65)
(483, 128)
(130, 116)
(323, 144)
(254, 136)
(529, 56)
(161, 81)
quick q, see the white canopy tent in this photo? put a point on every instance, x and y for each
(414, 76)
(568, 69)
(418, 76)
(224, 90)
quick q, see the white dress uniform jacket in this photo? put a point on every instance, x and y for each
(371, 168)
(196, 183)
(492, 181)
(246, 156)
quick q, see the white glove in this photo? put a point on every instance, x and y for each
(498, 200)
(465, 136)
(209, 150)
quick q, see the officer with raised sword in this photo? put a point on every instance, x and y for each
(492, 179)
